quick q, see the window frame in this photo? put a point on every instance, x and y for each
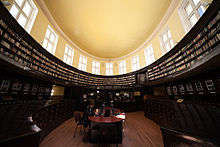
(81, 63)
(67, 55)
(149, 57)
(32, 16)
(54, 44)
(95, 68)
(184, 17)
(168, 41)
(135, 62)
(109, 71)
(122, 69)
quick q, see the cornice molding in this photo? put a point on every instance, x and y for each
(50, 18)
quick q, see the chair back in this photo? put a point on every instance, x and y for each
(107, 113)
(77, 117)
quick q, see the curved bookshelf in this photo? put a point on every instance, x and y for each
(201, 44)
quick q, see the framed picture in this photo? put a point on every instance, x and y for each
(182, 89)
(34, 88)
(189, 87)
(210, 85)
(175, 90)
(26, 88)
(169, 91)
(41, 89)
(141, 78)
(16, 86)
(47, 90)
(5, 85)
(198, 86)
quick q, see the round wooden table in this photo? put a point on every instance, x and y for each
(102, 123)
(102, 119)
(110, 119)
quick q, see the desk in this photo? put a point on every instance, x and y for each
(108, 129)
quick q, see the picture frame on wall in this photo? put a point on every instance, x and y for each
(181, 89)
(26, 88)
(169, 92)
(16, 86)
(34, 88)
(175, 91)
(5, 85)
(189, 88)
(198, 85)
(210, 85)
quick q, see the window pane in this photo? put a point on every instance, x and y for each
(70, 52)
(27, 9)
(189, 9)
(68, 60)
(167, 46)
(64, 59)
(52, 38)
(193, 20)
(47, 33)
(201, 10)
(19, 2)
(66, 50)
(171, 43)
(168, 33)
(80, 59)
(84, 60)
(195, 2)
(164, 38)
(49, 47)
(45, 43)
(22, 20)
(14, 11)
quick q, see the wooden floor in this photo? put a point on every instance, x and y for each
(139, 132)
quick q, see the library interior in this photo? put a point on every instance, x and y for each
(109, 73)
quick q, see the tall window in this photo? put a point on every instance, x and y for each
(82, 63)
(96, 67)
(190, 11)
(135, 63)
(109, 69)
(122, 67)
(25, 12)
(149, 55)
(166, 41)
(68, 55)
(50, 40)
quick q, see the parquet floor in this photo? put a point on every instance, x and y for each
(139, 132)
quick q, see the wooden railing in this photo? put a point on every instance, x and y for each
(19, 48)
(48, 118)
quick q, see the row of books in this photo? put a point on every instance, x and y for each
(19, 50)
(201, 45)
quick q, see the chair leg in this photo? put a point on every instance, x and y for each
(80, 127)
(75, 131)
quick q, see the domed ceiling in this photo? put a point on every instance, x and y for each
(108, 28)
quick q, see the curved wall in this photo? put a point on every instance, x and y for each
(171, 20)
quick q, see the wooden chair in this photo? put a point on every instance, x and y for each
(78, 118)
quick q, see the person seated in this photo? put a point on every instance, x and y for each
(107, 113)
(88, 112)
(102, 108)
